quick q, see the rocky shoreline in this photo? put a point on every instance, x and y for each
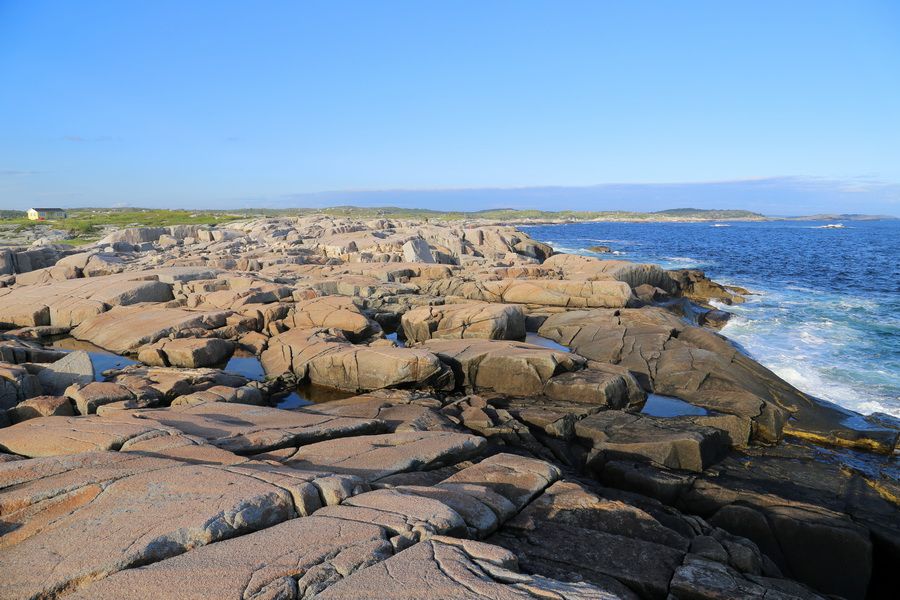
(460, 460)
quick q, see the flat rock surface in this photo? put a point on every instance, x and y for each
(143, 518)
(445, 569)
(124, 329)
(248, 429)
(52, 436)
(290, 560)
(372, 457)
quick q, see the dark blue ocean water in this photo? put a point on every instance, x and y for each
(826, 311)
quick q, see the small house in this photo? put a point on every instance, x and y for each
(42, 214)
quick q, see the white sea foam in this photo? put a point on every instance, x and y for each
(813, 351)
(836, 342)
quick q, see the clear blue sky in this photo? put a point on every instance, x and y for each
(222, 103)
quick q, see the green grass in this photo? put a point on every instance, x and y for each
(87, 223)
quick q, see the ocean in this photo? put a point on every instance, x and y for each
(825, 309)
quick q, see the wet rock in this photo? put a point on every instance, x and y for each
(694, 284)
(714, 318)
(697, 365)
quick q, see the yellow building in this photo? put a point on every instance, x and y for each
(41, 214)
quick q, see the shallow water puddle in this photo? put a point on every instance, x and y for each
(667, 406)
(393, 337)
(307, 394)
(246, 365)
(537, 340)
(293, 400)
(101, 359)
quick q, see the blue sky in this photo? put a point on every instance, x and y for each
(226, 104)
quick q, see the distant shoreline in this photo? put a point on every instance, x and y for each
(147, 216)
(87, 225)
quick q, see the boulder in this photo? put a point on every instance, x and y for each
(90, 396)
(331, 312)
(167, 383)
(676, 443)
(187, 352)
(399, 410)
(417, 251)
(125, 329)
(694, 284)
(329, 360)
(40, 406)
(75, 367)
(573, 266)
(605, 293)
(457, 321)
(68, 303)
(16, 385)
(607, 387)
(103, 264)
(505, 367)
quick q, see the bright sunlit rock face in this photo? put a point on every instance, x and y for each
(507, 445)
